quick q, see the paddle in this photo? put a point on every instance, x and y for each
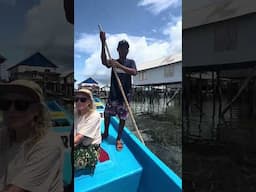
(123, 94)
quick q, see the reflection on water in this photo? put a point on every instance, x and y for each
(160, 126)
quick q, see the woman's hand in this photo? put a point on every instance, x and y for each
(78, 139)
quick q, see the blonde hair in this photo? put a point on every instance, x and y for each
(41, 124)
(92, 106)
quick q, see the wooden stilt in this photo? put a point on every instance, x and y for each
(213, 103)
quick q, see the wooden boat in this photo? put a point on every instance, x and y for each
(133, 169)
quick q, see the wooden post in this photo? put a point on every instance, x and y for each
(200, 104)
(185, 104)
(213, 105)
(220, 105)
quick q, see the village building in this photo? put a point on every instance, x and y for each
(219, 105)
(41, 70)
(220, 68)
(91, 84)
(159, 78)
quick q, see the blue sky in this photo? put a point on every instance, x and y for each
(152, 27)
(35, 25)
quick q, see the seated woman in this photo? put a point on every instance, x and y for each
(31, 156)
(87, 133)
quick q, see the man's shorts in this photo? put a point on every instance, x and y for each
(114, 108)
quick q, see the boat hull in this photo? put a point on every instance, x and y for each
(156, 176)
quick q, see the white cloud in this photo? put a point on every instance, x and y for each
(154, 30)
(48, 31)
(87, 43)
(78, 56)
(157, 6)
(174, 31)
(142, 49)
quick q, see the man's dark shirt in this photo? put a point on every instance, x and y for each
(126, 80)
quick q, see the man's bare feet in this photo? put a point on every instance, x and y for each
(119, 145)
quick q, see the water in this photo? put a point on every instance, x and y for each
(160, 127)
(214, 161)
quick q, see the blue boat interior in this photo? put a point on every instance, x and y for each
(53, 106)
(121, 172)
(134, 169)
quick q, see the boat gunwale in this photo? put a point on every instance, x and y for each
(130, 139)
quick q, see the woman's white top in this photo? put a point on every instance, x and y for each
(37, 170)
(89, 126)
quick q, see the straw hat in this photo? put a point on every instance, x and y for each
(85, 91)
(22, 86)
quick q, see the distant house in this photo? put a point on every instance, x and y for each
(163, 71)
(104, 91)
(219, 63)
(88, 83)
(91, 84)
(223, 33)
(39, 69)
(67, 84)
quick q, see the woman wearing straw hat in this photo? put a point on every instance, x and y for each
(31, 155)
(87, 133)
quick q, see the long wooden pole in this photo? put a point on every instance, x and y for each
(123, 94)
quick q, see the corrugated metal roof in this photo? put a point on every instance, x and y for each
(160, 62)
(201, 12)
(36, 59)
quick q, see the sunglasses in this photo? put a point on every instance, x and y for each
(81, 99)
(19, 105)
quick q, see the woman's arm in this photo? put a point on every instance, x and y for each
(78, 139)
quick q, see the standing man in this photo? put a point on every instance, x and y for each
(125, 68)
